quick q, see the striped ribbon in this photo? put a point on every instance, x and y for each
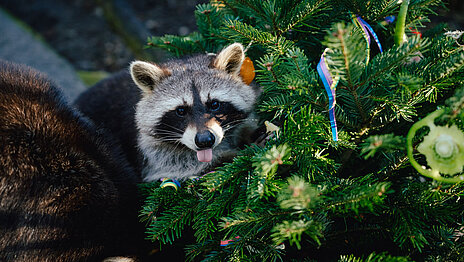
(367, 29)
(330, 86)
(227, 242)
(331, 83)
(170, 182)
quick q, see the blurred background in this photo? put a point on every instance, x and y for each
(78, 42)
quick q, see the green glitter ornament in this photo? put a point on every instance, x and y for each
(443, 148)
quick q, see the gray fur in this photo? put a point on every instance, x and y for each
(167, 162)
(174, 85)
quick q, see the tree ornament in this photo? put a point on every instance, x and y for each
(400, 36)
(443, 148)
(366, 29)
(170, 182)
(227, 242)
(247, 71)
(270, 127)
(330, 84)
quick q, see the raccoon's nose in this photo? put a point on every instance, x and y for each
(204, 140)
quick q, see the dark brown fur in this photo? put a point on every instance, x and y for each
(66, 193)
(117, 93)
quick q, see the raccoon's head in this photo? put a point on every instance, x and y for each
(193, 104)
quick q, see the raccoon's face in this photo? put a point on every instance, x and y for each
(195, 103)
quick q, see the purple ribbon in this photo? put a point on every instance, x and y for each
(329, 83)
(368, 29)
(330, 86)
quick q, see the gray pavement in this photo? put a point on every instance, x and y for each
(20, 46)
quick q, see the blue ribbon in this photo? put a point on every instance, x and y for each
(367, 29)
(170, 182)
(389, 19)
(365, 26)
(330, 86)
(327, 79)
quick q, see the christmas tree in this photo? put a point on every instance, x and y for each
(364, 152)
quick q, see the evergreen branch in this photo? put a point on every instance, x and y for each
(270, 68)
(292, 231)
(364, 230)
(346, 56)
(298, 195)
(341, 33)
(178, 45)
(272, 14)
(251, 198)
(408, 229)
(299, 17)
(203, 222)
(391, 59)
(266, 165)
(382, 143)
(420, 5)
(447, 194)
(248, 32)
(247, 249)
(250, 219)
(252, 6)
(385, 8)
(418, 200)
(346, 118)
(373, 257)
(210, 18)
(168, 226)
(399, 109)
(395, 166)
(194, 250)
(439, 74)
(250, 224)
(355, 197)
(349, 97)
(456, 105)
(223, 175)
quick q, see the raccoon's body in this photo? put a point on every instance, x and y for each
(178, 119)
(66, 192)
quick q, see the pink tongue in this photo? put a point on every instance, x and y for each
(205, 155)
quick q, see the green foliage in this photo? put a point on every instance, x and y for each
(383, 257)
(301, 189)
(381, 143)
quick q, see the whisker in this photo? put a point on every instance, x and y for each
(235, 122)
(229, 127)
(173, 127)
(168, 134)
(169, 141)
(177, 144)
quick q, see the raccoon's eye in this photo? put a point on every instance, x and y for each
(181, 111)
(215, 105)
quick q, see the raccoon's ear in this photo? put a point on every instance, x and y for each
(146, 75)
(230, 59)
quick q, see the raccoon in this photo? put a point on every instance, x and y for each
(177, 119)
(66, 191)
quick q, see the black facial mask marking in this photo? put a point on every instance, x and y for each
(226, 114)
(172, 125)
